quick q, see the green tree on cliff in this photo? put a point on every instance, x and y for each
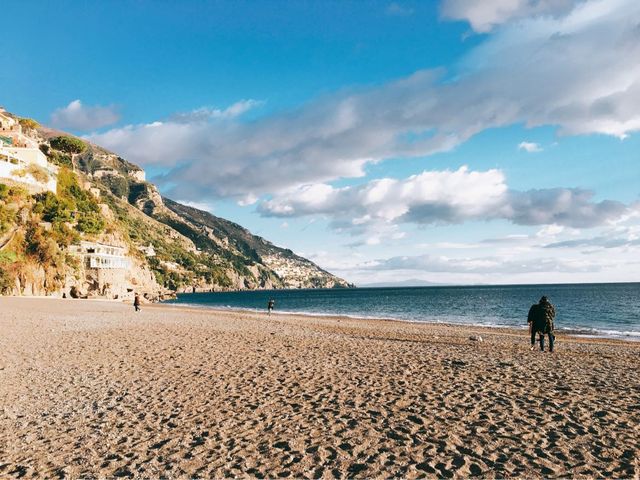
(68, 144)
(28, 124)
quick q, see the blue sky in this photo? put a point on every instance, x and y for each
(450, 141)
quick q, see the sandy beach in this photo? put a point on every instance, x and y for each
(90, 389)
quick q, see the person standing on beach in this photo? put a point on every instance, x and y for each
(136, 302)
(549, 315)
(540, 319)
(534, 319)
(270, 304)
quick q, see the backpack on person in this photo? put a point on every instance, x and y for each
(548, 315)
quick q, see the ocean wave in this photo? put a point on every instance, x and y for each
(600, 333)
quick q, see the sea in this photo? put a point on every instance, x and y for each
(601, 310)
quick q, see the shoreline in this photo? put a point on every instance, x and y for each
(632, 337)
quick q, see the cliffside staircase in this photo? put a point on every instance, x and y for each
(6, 239)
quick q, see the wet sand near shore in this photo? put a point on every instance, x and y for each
(92, 389)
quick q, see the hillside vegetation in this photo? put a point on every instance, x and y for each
(103, 198)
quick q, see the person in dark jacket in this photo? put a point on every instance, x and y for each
(535, 323)
(541, 321)
(136, 302)
(270, 305)
(549, 315)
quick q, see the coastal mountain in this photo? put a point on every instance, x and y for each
(79, 220)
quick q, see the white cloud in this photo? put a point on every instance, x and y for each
(485, 15)
(622, 236)
(205, 114)
(550, 231)
(372, 232)
(77, 116)
(572, 71)
(490, 264)
(205, 206)
(447, 245)
(530, 147)
(570, 207)
(602, 241)
(442, 197)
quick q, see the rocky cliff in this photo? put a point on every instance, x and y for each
(46, 239)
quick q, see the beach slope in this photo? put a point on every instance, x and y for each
(91, 389)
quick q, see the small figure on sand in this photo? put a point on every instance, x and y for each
(270, 304)
(540, 319)
(136, 302)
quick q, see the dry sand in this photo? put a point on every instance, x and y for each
(91, 389)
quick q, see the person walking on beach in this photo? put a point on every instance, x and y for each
(136, 302)
(549, 314)
(535, 323)
(270, 304)
(541, 317)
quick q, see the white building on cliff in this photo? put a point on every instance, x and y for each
(101, 256)
(21, 161)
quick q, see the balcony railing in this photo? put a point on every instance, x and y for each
(107, 262)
